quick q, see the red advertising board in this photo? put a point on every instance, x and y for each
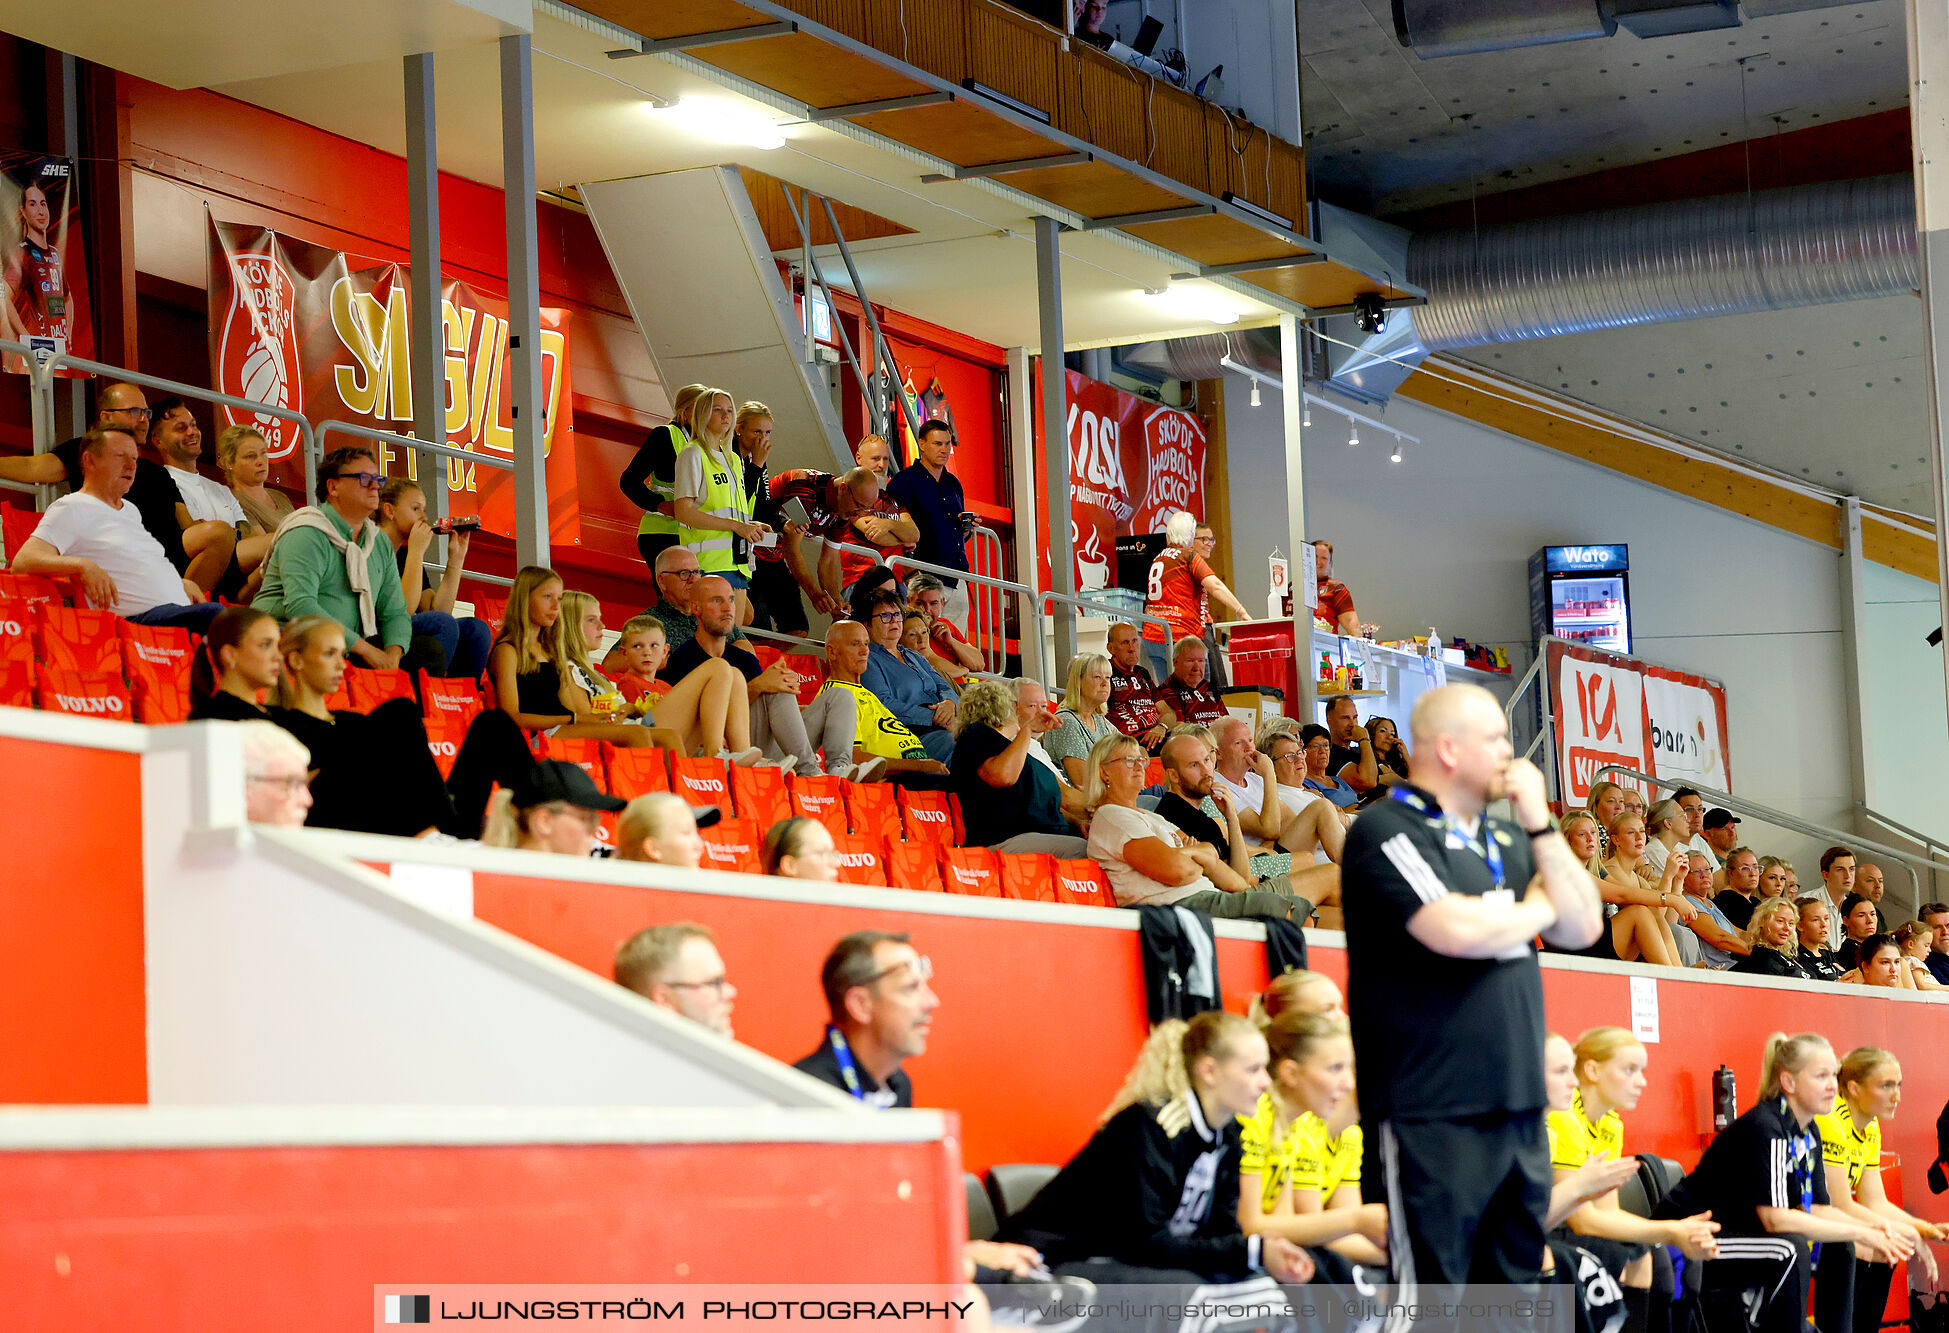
(1611, 709)
(326, 334)
(1132, 464)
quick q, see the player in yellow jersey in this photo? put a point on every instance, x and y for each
(1850, 1144)
(1610, 1068)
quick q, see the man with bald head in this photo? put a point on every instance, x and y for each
(1442, 903)
(831, 504)
(886, 527)
(879, 736)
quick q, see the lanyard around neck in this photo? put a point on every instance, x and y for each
(1447, 824)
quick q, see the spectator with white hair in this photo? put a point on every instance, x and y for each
(277, 785)
(677, 967)
(1007, 802)
(1034, 703)
(945, 644)
(1180, 582)
(1188, 696)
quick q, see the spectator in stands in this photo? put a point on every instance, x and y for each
(1665, 827)
(463, 641)
(662, 829)
(913, 637)
(528, 666)
(783, 731)
(887, 527)
(911, 689)
(800, 848)
(1736, 900)
(1187, 695)
(1156, 1188)
(1774, 937)
(1083, 719)
(640, 650)
(1709, 939)
(1180, 582)
(1279, 741)
(1033, 701)
(1762, 1181)
(330, 558)
(649, 482)
(1816, 960)
(1837, 877)
(1354, 760)
(556, 809)
(177, 437)
(1773, 878)
(1133, 706)
(945, 644)
(879, 736)
(276, 787)
(677, 967)
(880, 1008)
(1008, 803)
(1859, 924)
(1871, 884)
(589, 696)
(245, 458)
(1579, 830)
(1721, 832)
(713, 509)
(676, 588)
(1936, 916)
(1334, 603)
(1606, 804)
(96, 535)
(1316, 742)
(1694, 833)
(831, 504)
(1917, 941)
(1274, 831)
(1148, 859)
(1880, 964)
(200, 552)
(237, 660)
(1628, 882)
(1632, 925)
(879, 579)
(932, 497)
(1199, 803)
(1390, 751)
(1793, 880)
(775, 603)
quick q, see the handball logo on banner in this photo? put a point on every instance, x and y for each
(1171, 442)
(257, 355)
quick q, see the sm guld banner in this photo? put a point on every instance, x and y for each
(1132, 464)
(326, 335)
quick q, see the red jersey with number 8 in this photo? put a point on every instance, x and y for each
(1176, 592)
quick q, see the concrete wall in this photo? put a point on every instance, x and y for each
(1907, 727)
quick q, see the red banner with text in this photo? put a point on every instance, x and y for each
(326, 335)
(1611, 709)
(1132, 464)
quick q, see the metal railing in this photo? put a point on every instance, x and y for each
(1793, 823)
(1109, 611)
(336, 427)
(1546, 730)
(773, 636)
(1930, 845)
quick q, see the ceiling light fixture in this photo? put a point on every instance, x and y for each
(1395, 457)
(1306, 417)
(1255, 394)
(724, 121)
(1194, 303)
(1014, 104)
(1353, 434)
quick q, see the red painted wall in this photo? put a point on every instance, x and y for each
(72, 1010)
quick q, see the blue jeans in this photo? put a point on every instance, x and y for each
(177, 615)
(466, 641)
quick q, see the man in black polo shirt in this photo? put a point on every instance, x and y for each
(881, 1007)
(1442, 905)
(932, 497)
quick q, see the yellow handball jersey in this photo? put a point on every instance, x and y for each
(1843, 1143)
(880, 732)
(1265, 1153)
(1573, 1139)
(1321, 1162)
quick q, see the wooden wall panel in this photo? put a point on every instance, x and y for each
(782, 233)
(1014, 55)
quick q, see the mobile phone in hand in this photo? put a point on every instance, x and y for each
(794, 509)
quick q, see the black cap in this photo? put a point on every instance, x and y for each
(559, 780)
(706, 815)
(1717, 818)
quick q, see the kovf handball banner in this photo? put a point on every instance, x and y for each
(1132, 464)
(326, 335)
(1611, 709)
(45, 305)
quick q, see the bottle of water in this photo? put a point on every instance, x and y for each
(1434, 643)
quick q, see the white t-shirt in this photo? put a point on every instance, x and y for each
(206, 499)
(1658, 855)
(1041, 756)
(1698, 846)
(1116, 825)
(82, 527)
(1248, 796)
(1296, 799)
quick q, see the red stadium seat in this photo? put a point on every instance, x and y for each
(859, 858)
(19, 623)
(761, 795)
(971, 870)
(911, 865)
(372, 686)
(634, 773)
(16, 684)
(954, 814)
(700, 781)
(1154, 773)
(821, 798)
(732, 844)
(17, 524)
(1028, 877)
(162, 650)
(456, 698)
(585, 752)
(85, 641)
(925, 817)
(101, 694)
(161, 694)
(871, 808)
(33, 588)
(443, 737)
(1083, 882)
(812, 672)
(766, 653)
(340, 700)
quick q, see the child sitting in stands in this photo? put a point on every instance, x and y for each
(640, 652)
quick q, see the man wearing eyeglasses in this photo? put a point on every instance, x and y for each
(277, 788)
(881, 1009)
(331, 559)
(677, 573)
(679, 968)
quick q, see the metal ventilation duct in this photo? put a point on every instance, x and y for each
(1436, 28)
(1801, 246)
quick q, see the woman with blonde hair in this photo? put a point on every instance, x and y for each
(711, 502)
(650, 479)
(1083, 719)
(1774, 937)
(556, 809)
(1607, 804)
(1157, 1186)
(245, 457)
(1640, 930)
(1008, 801)
(1580, 829)
(660, 828)
(1773, 878)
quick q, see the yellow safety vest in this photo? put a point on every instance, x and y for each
(724, 496)
(665, 490)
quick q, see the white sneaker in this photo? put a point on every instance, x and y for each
(871, 771)
(745, 758)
